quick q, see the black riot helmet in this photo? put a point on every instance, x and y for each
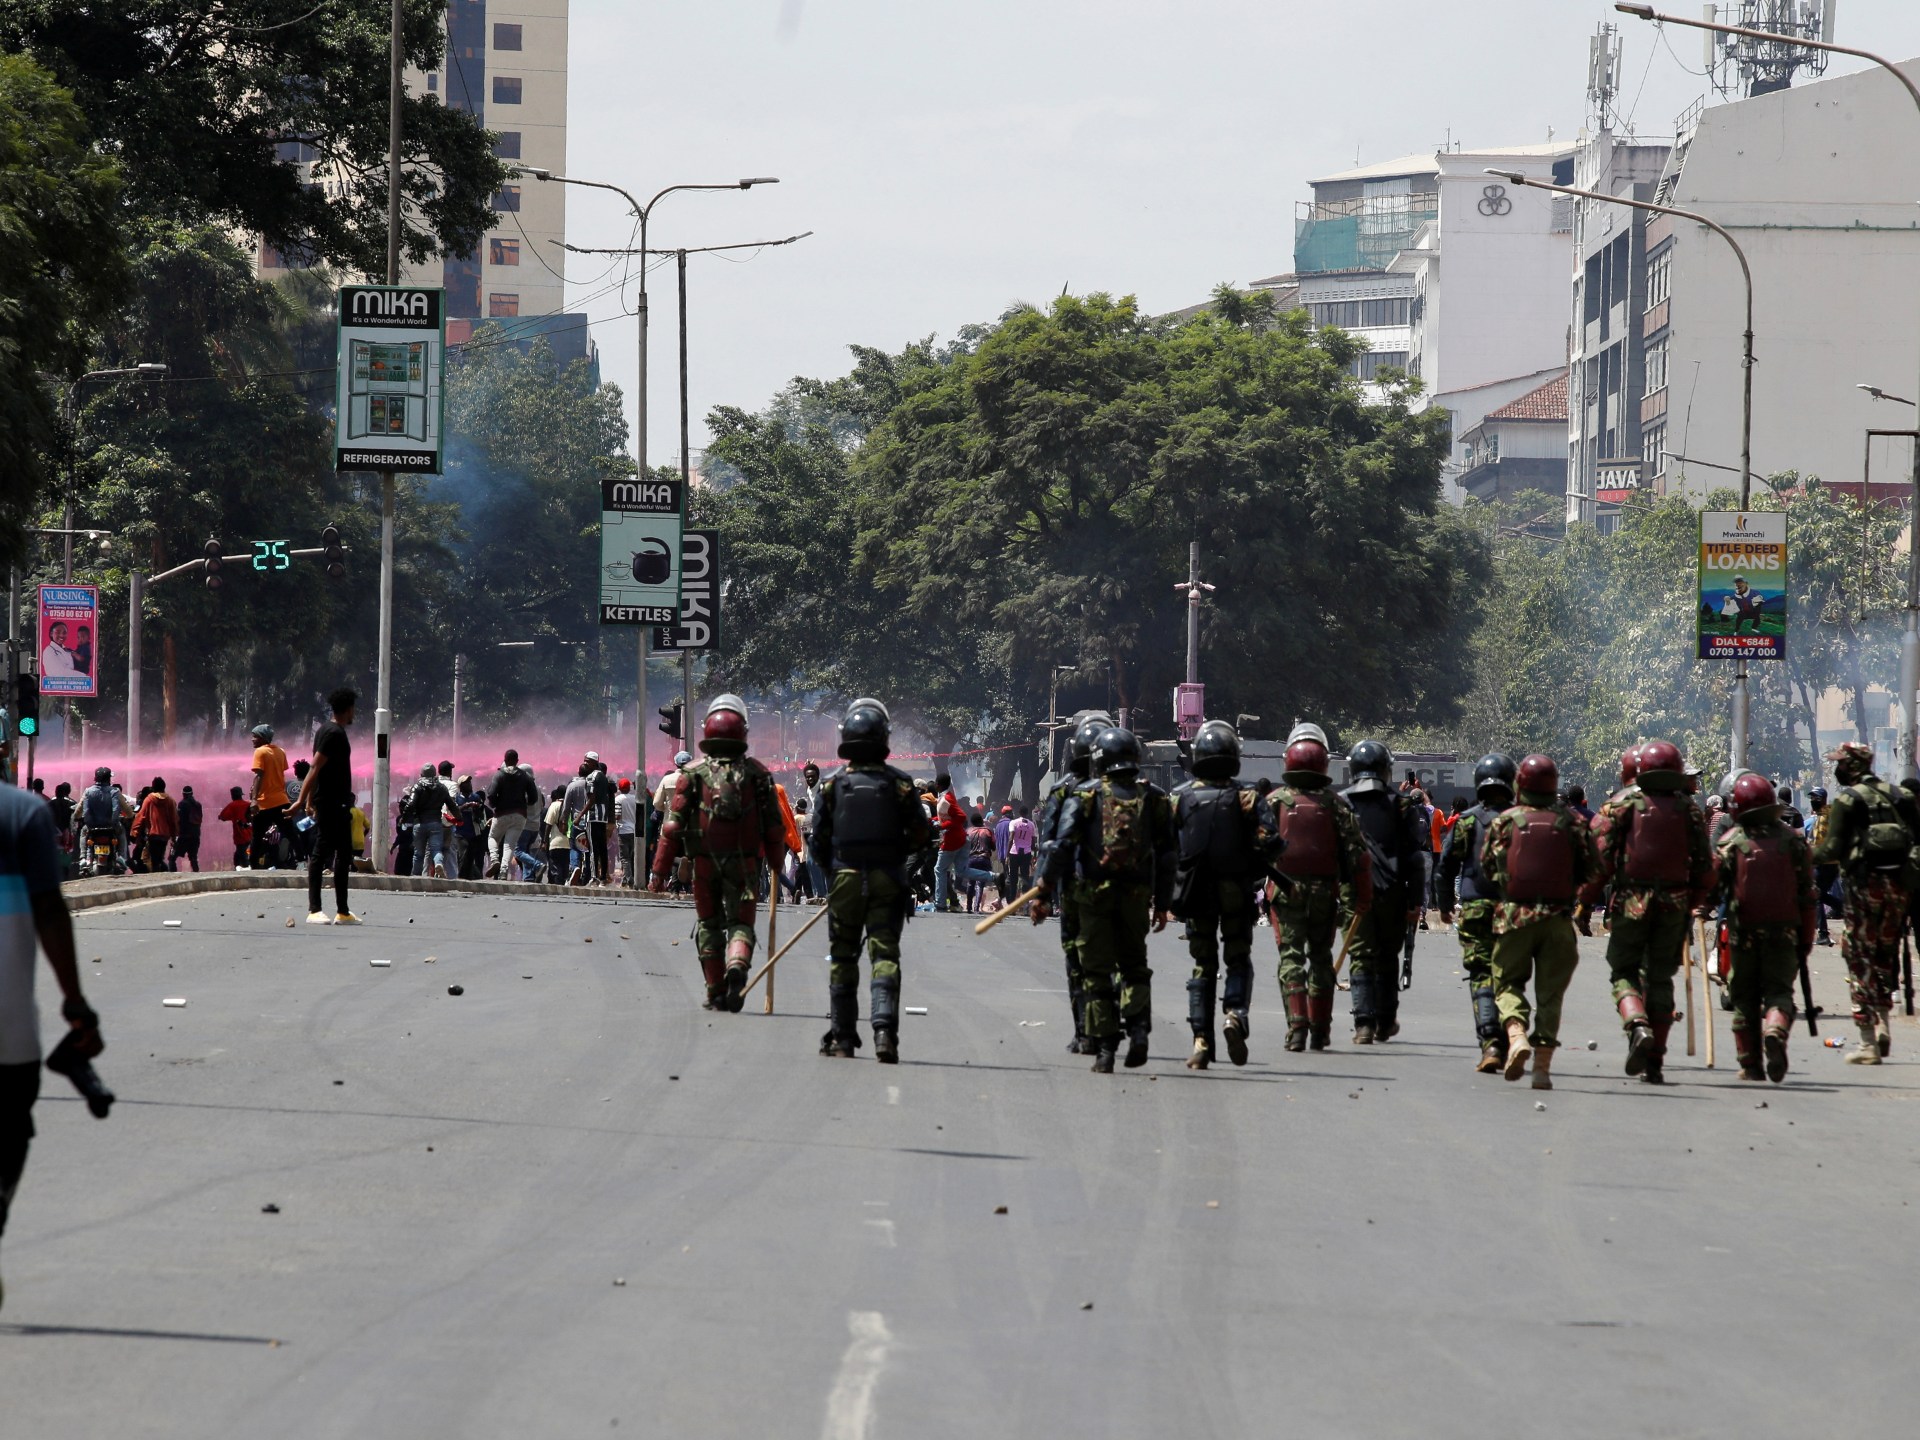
(1494, 772)
(1116, 752)
(1080, 747)
(1216, 751)
(866, 732)
(1370, 767)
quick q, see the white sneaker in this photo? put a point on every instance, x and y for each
(318, 917)
(343, 918)
(439, 871)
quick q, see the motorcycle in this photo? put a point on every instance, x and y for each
(100, 854)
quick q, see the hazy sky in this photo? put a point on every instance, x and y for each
(953, 158)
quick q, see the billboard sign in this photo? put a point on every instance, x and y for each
(699, 627)
(69, 630)
(390, 396)
(639, 552)
(1740, 612)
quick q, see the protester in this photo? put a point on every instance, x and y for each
(559, 837)
(423, 807)
(328, 796)
(952, 820)
(978, 873)
(236, 812)
(1018, 874)
(512, 797)
(156, 825)
(33, 916)
(469, 829)
(269, 795)
(626, 817)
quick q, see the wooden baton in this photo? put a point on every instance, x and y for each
(774, 959)
(1005, 910)
(1686, 964)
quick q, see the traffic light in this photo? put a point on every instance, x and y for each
(670, 719)
(29, 705)
(335, 557)
(212, 551)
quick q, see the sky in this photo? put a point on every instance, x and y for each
(953, 157)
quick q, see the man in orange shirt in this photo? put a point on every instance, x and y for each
(270, 799)
(156, 824)
(1440, 826)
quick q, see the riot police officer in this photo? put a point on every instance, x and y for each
(1046, 829)
(725, 816)
(1466, 887)
(1119, 829)
(871, 822)
(1227, 838)
(1396, 845)
(1324, 875)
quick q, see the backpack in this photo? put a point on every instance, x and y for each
(1313, 838)
(1766, 889)
(1122, 848)
(868, 828)
(1540, 859)
(1886, 843)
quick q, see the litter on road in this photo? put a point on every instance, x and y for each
(173, 1002)
(380, 964)
(916, 1009)
(173, 924)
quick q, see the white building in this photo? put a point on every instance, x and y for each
(1447, 273)
(1818, 185)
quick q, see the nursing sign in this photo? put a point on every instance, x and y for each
(69, 624)
(389, 399)
(1741, 609)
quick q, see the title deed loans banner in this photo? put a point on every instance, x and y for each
(1741, 610)
(389, 399)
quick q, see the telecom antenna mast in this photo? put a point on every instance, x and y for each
(1740, 66)
(1603, 75)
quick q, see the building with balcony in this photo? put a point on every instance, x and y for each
(1519, 446)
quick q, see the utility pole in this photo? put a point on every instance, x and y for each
(380, 835)
(1190, 699)
(686, 480)
(459, 670)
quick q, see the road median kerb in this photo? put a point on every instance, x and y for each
(93, 894)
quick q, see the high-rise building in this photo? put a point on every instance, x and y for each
(506, 65)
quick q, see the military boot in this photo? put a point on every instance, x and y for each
(1077, 998)
(1543, 1068)
(1656, 1069)
(1868, 1050)
(1363, 1030)
(843, 1021)
(1297, 1022)
(1137, 1033)
(1518, 1050)
(739, 971)
(1633, 1013)
(884, 1002)
(1200, 1019)
(1237, 1030)
(1486, 1024)
(1202, 1055)
(1882, 1033)
(1746, 1050)
(1319, 1021)
(1103, 1055)
(1779, 1024)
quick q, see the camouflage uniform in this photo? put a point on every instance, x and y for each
(1537, 936)
(1117, 898)
(1647, 922)
(1309, 910)
(1397, 856)
(1876, 888)
(1473, 920)
(1766, 954)
(723, 813)
(867, 899)
(1216, 902)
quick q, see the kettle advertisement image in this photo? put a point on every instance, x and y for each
(652, 563)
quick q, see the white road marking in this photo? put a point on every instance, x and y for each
(850, 1406)
(885, 1227)
(893, 1094)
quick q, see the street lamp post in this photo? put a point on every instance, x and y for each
(1514, 177)
(642, 213)
(1910, 641)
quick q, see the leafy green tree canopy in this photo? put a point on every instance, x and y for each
(196, 97)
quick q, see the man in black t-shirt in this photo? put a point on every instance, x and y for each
(327, 795)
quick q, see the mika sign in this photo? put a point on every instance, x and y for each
(390, 397)
(1740, 611)
(639, 552)
(699, 624)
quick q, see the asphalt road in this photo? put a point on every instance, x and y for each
(568, 1202)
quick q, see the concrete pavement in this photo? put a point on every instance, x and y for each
(1368, 1243)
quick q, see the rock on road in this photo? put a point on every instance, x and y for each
(570, 1202)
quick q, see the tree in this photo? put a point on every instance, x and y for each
(61, 271)
(530, 446)
(199, 99)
